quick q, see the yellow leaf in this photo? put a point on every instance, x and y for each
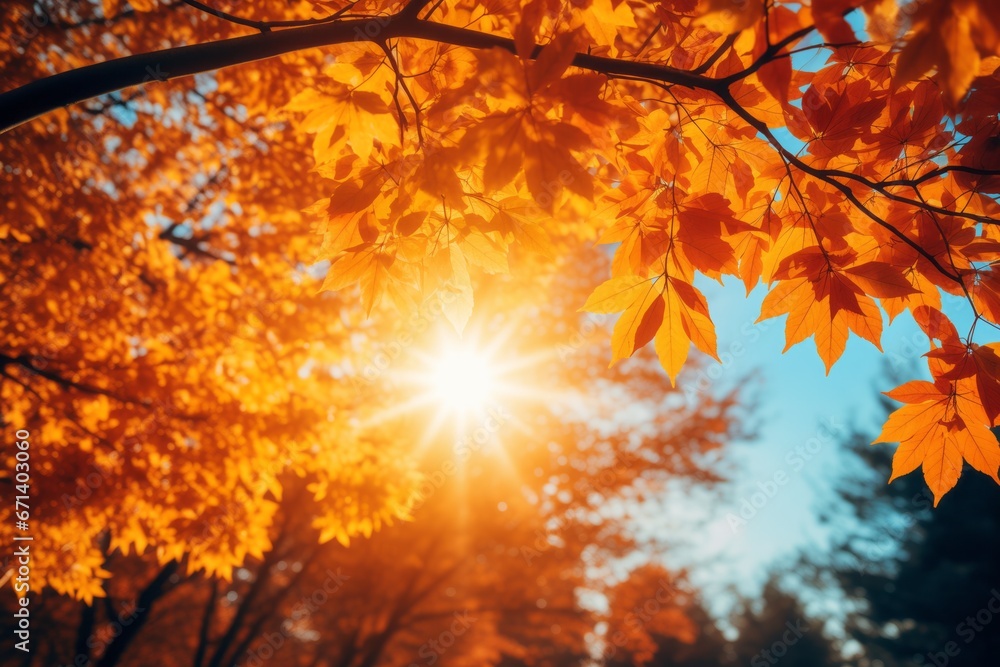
(457, 299)
(484, 252)
(615, 295)
(602, 20)
(727, 17)
(672, 342)
(633, 329)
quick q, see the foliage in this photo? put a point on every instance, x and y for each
(503, 537)
(163, 322)
(769, 629)
(760, 140)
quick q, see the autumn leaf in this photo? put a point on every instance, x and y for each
(954, 37)
(639, 322)
(605, 19)
(938, 430)
(370, 265)
(881, 280)
(616, 294)
(673, 312)
(727, 17)
(458, 308)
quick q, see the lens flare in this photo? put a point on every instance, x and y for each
(461, 380)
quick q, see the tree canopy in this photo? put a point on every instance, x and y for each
(174, 170)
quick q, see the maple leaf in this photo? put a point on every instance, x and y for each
(358, 118)
(368, 264)
(941, 425)
(685, 321)
(985, 291)
(670, 310)
(529, 131)
(880, 280)
(827, 303)
(986, 361)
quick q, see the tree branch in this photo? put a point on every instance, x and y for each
(39, 97)
(84, 631)
(256, 588)
(272, 606)
(206, 625)
(144, 604)
(265, 26)
(829, 178)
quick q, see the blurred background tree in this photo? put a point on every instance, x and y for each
(919, 574)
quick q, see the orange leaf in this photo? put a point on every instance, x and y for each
(939, 432)
(881, 280)
(636, 321)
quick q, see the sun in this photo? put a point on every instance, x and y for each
(461, 379)
(456, 385)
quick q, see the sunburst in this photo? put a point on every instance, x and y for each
(454, 388)
(462, 380)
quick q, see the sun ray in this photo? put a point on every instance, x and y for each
(452, 386)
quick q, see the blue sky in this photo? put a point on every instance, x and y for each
(802, 419)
